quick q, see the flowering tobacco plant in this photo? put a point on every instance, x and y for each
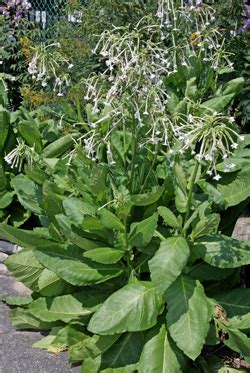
(131, 270)
(46, 66)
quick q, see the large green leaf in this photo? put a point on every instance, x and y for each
(160, 355)
(222, 251)
(241, 322)
(30, 133)
(70, 265)
(121, 357)
(23, 319)
(65, 308)
(134, 307)
(105, 255)
(207, 225)
(75, 209)
(188, 316)
(168, 262)
(24, 238)
(236, 302)
(50, 284)
(141, 233)
(29, 194)
(91, 347)
(26, 268)
(218, 103)
(234, 187)
(204, 272)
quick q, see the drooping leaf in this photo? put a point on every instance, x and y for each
(222, 251)
(160, 355)
(23, 319)
(26, 268)
(105, 255)
(63, 308)
(141, 233)
(70, 265)
(134, 307)
(16, 300)
(24, 238)
(168, 262)
(188, 316)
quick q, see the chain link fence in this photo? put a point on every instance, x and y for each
(46, 13)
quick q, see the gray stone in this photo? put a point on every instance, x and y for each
(3, 269)
(3, 257)
(9, 248)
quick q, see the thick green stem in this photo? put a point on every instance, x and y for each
(132, 176)
(190, 193)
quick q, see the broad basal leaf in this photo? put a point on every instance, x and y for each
(23, 319)
(91, 347)
(26, 268)
(141, 233)
(121, 357)
(50, 284)
(105, 255)
(24, 238)
(236, 302)
(160, 355)
(134, 307)
(188, 316)
(241, 322)
(65, 308)
(70, 265)
(66, 337)
(222, 251)
(168, 262)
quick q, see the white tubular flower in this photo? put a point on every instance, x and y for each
(21, 153)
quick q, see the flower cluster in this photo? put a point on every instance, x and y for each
(210, 138)
(19, 154)
(46, 66)
(15, 9)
